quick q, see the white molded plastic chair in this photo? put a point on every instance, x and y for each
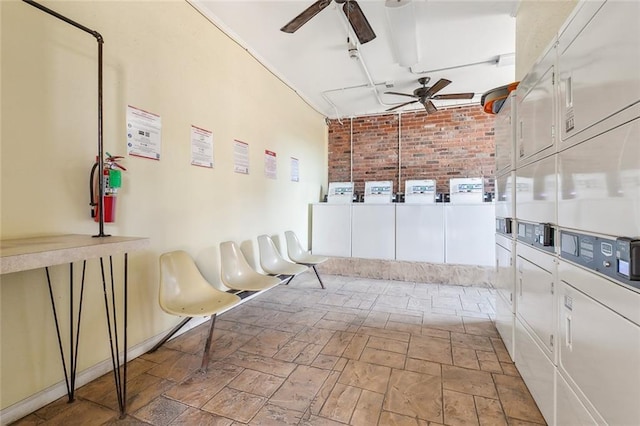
(184, 292)
(237, 274)
(272, 263)
(302, 256)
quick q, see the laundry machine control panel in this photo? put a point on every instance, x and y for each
(618, 258)
(540, 235)
(504, 225)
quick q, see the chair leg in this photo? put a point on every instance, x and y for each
(207, 345)
(318, 275)
(290, 279)
(169, 334)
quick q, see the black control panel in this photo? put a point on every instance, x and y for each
(540, 235)
(504, 225)
(617, 258)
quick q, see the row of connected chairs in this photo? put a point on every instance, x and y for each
(185, 292)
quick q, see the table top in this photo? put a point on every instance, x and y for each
(23, 254)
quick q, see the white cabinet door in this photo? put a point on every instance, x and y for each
(470, 234)
(598, 66)
(599, 183)
(535, 131)
(505, 323)
(505, 268)
(534, 295)
(420, 232)
(373, 234)
(599, 350)
(331, 230)
(536, 191)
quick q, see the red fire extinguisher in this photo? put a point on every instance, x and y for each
(112, 178)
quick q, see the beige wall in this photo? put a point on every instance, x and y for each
(166, 58)
(537, 22)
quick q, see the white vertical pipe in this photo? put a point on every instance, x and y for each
(399, 151)
(351, 149)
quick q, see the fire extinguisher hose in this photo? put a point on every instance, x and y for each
(92, 198)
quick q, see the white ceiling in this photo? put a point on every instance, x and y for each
(458, 40)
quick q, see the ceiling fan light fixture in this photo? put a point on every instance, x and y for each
(403, 29)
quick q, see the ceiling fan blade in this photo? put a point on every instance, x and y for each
(440, 84)
(401, 105)
(400, 94)
(358, 21)
(430, 107)
(295, 24)
(455, 96)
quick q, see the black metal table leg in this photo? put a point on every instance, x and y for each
(70, 373)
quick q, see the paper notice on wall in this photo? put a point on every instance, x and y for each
(144, 131)
(295, 170)
(201, 147)
(270, 164)
(240, 157)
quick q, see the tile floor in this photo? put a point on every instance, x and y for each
(361, 352)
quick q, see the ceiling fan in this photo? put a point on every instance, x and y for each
(351, 9)
(424, 94)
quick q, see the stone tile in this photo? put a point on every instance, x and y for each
(291, 350)
(307, 317)
(83, 413)
(415, 395)
(434, 332)
(308, 354)
(261, 363)
(332, 325)
(472, 382)
(227, 344)
(385, 334)
(140, 391)
(237, 327)
(236, 405)
(509, 369)
(271, 414)
(256, 382)
(393, 419)
(340, 364)
(178, 370)
(472, 342)
(516, 399)
(319, 421)
(430, 349)
(127, 421)
(341, 403)
(366, 376)
(459, 409)
(340, 316)
(367, 411)
(297, 392)
(425, 367)
(356, 346)
(408, 318)
(388, 345)
(163, 354)
(489, 412)
(443, 322)
(480, 327)
(315, 335)
(267, 343)
(500, 350)
(192, 416)
(201, 387)
(491, 366)
(161, 411)
(376, 319)
(465, 357)
(325, 361)
(338, 343)
(402, 326)
(324, 392)
(446, 302)
(380, 357)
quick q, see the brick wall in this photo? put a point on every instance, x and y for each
(454, 142)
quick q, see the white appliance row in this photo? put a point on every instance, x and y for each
(568, 216)
(437, 233)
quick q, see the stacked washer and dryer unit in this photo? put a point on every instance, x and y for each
(568, 220)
